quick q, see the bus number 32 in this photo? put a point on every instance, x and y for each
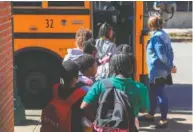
(49, 23)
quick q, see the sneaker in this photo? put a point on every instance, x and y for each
(162, 124)
(147, 117)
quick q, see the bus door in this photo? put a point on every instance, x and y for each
(126, 17)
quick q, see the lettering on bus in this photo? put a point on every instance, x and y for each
(49, 23)
(62, 49)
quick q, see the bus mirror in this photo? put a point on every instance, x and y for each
(164, 8)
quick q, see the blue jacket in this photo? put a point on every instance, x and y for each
(159, 55)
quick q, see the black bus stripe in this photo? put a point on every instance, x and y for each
(27, 3)
(44, 35)
(17, 11)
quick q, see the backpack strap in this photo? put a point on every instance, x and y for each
(107, 84)
(55, 90)
(77, 94)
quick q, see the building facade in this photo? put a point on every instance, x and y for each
(6, 69)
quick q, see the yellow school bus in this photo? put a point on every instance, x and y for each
(42, 32)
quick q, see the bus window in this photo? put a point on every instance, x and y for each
(102, 5)
(65, 3)
(27, 4)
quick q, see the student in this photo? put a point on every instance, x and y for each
(105, 47)
(121, 66)
(88, 69)
(82, 35)
(89, 47)
(70, 79)
(63, 112)
(126, 49)
(104, 43)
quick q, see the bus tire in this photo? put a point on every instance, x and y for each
(36, 76)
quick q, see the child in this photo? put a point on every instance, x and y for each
(70, 79)
(89, 47)
(82, 35)
(63, 111)
(105, 47)
(88, 69)
(121, 66)
(126, 49)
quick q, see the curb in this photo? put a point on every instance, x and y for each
(180, 40)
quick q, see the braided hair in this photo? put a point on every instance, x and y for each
(121, 64)
(124, 48)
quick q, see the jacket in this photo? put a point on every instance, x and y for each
(104, 47)
(73, 54)
(159, 55)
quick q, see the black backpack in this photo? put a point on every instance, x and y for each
(115, 113)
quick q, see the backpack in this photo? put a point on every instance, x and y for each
(56, 116)
(115, 113)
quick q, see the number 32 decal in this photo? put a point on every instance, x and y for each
(49, 23)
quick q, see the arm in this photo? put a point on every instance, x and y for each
(84, 105)
(92, 95)
(159, 49)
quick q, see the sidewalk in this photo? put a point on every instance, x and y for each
(179, 121)
(179, 35)
(32, 123)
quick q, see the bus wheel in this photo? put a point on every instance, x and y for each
(35, 80)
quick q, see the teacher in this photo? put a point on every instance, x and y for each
(160, 66)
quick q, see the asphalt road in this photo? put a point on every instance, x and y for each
(179, 94)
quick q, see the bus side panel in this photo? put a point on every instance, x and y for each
(58, 46)
(146, 38)
(50, 23)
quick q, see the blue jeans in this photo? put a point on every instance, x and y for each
(157, 95)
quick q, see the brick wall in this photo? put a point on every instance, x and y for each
(6, 69)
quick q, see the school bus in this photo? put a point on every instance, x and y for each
(42, 32)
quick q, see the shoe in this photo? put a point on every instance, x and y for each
(162, 124)
(146, 117)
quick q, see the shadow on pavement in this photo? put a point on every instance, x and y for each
(28, 122)
(180, 110)
(179, 97)
(174, 125)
